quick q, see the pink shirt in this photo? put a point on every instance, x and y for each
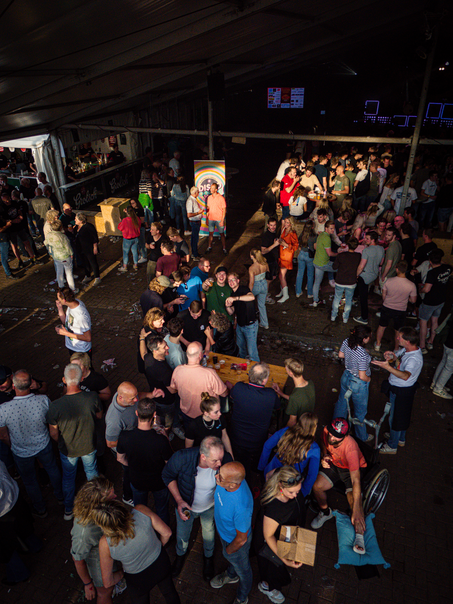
(190, 381)
(398, 292)
(216, 207)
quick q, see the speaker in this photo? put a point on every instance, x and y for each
(216, 86)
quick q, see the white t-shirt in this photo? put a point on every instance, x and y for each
(430, 188)
(297, 206)
(410, 361)
(205, 485)
(361, 175)
(382, 177)
(398, 194)
(78, 321)
(282, 168)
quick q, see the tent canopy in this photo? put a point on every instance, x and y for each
(27, 142)
(72, 61)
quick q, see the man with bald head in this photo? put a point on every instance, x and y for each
(121, 416)
(23, 428)
(71, 420)
(233, 508)
(190, 380)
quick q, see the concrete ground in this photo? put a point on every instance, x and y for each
(414, 527)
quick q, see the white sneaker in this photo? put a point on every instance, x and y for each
(442, 393)
(142, 260)
(274, 596)
(97, 281)
(320, 519)
(388, 450)
(187, 232)
(122, 269)
(86, 279)
(308, 296)
(314, 304)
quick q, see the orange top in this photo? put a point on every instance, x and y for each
(216, 207)
(347, 455)
(286, 255)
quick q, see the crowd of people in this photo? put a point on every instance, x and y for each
(223, 467)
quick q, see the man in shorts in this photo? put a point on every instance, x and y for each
(341, 460)
(216, 207)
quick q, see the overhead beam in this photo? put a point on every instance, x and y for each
(193, 26)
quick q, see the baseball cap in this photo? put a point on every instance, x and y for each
(219, 269)
(339, 427)
(5, 372)
(164, 281)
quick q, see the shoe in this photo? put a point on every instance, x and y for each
(223, 579)
(387, 450)
(76, 290)
(264, 326)
(12, 276)
(298, 295)
(237, 601)
(433, 385)
(36, 261)
(424, 351)
(332, 283)
(60, 501)
(308, 296)
(280, 294)
(378, 314)
(377, 290)
(208, 568)
(208, 250)
(225, 252)
(320, 519)
(122, 269)
(86, 279)
(128, 501)
(429, 346)
(333, 319)
(187, 233)
(40, 514)
(68, 515)
(285, 295)
(442, 393)
(177, 565)
(97, 281)
(314, 304)
(401, 443)
(274, 596)
(369, 438)
(179, 433)
(377, 347)
(142, 260)
(269, 299)
(20, 265)
(345, 320)
(135, 267)
(360, 320)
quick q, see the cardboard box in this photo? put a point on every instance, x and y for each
(301, 546)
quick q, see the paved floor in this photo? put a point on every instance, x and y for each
(414, 525)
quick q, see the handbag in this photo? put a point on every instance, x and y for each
(267, 553)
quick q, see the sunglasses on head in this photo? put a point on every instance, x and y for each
(293, 480)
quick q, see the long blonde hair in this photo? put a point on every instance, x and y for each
(255, 253)
(280, 479)
(294, 445)
(292, 224)
(115, 520)
(93, 493)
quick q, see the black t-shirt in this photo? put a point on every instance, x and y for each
(69, 172)
(87, 237)
(438, 277)
(27, 192)
(146, 452)
(68, 221)
(116, 157)
(181, 248)
(198, 429)
(149, 300)
(290, 513)
(424, 251)
(267, 239)
(158, 374)
(408, 249)
(245, 311)
(156, 253)
(12, 211)
(225, 343)
(194, 329)
(94, 382)
(270, 203)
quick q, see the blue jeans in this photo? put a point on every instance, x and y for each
(260, 292)
(426, 214)
(319, 274)
(180, 210)
(149, 215)
(26, 469)
(141, 242)
(395, 436)
(196, 226)
(285, 212)
(349, 293)
(246, 340)
(184, 528)
(130, 245)
(359, 399)
(161, 499)
(304, 260)
(69, 467)
(4, 252)
(240, 567)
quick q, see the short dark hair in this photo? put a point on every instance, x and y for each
(272, 219)
(392, 229)
(329, 223)
(67, 293)
(429, 233)
(373, 235)
(410, 335)
(436, 256)
(321, 212)
(409, 211)
(406, 228)
(146, 409)
(402, 266)
(153, 342)
(175, 326)
(352, 243)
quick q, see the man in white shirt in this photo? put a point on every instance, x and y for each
(428, 196)
(404, 367)
(396, 198)
(76, 322)
(174, 163)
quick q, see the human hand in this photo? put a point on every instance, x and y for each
(325, 461)
(358, 521)
(229, 301)
(277, 388)
(181, 506)
(59, 305)
(90, 592)
(383, 364)
(143, 333)
(34, 385)
(157, 392)
(60, 330)
(292, 563)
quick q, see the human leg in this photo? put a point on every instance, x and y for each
(196, 226)
(183, 530)
(260, 293)
(336, 301)
(59, 270)
(320, 488)
(90, 465)
(359, 397)
(241, 341)
(127, 245)
(310, 277)
(93, 264)
(4, 252)
(208, 531)
(26, 468)
(240, 567)
(47, 458)
(396, 436)
(341, 408)
(362, 291)
(349, 293)
(161, 499)
(141, 242)
(444, 370)
(423, 332)
(251, 335)
(69, 471)
(282, 277)
(319, 274)
(301, 264)
(68, 269)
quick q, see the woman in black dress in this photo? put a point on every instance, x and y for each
(209, 423)
(280, 505)
(87, 244)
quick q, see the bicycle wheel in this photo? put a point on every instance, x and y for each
(376, 491)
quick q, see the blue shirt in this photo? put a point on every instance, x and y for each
(191, 289)
(196, 272)
(233, 511)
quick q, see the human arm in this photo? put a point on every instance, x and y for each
(364, 377)
(209, 339)
(226, 442)
(330, 253)
(4, 436)
(270, 526)
(244, 298)
(53, 430)
(387, 267)
(180, 503)
(402, 375)
(361, 266)
(266, 250)
(82, 571)
(237, 543)
(60, 311)
(109, 578)
(313, 459)
(251, 279)
(122, 458)
(188, 443)
(83, 337)
(270, 443)
(357, 516)
(279, 391)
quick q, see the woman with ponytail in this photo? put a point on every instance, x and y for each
(295, 447)
(280, 505)
(356, 378)
(209, 423)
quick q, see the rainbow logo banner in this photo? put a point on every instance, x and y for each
(206, 172)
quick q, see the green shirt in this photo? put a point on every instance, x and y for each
(216, 297)
(301, 400)
(322, 243)
(393, 253)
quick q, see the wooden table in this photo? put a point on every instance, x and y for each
(277, 374)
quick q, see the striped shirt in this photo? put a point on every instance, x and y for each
(356, 359)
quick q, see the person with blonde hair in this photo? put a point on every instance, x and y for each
(288, 247)
(209, 423)
(60, 250)
(296, 447)
(302, 398)
(307, 240)
(280, 505)
(258, 284)
(130, 538)
(86, 536)
(51, 215)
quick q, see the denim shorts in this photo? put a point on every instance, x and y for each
(213, 224)
(426, 311)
